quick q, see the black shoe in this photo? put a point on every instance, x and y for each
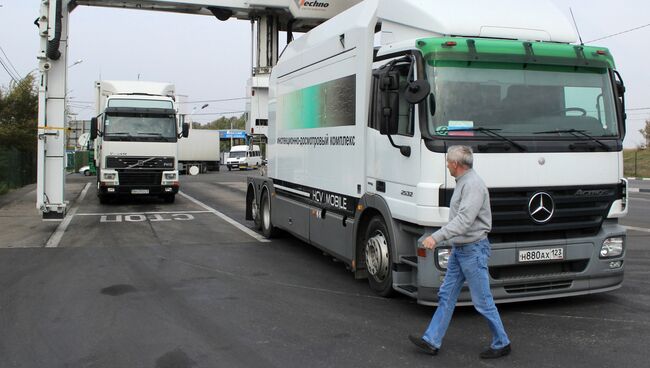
(495, 353)
(423, 345)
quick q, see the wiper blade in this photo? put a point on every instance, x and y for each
(151, 133)
(576, 133)
(491, 132)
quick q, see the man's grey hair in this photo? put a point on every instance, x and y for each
(461, 154)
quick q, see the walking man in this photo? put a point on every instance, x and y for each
(470, 220)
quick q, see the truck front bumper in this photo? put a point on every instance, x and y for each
(581, 272)
(138, 189)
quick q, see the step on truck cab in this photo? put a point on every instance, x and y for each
(364, 107)
(136, 134)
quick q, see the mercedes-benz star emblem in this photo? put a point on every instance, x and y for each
(541, 207)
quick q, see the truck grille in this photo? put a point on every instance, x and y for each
(140, 177)
(130, 162)
(525, 271)
(578, 211)
(540, 286)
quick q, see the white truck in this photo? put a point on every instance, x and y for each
(358, 135)
(136, 134)
(199, 152)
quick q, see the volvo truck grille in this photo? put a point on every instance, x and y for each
(130, 162)
(140, 177)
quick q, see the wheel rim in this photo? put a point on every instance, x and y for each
(254, 210)
(266, 213)
(377, 256)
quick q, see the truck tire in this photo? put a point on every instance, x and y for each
(169, 198)
(378, 258)
(268, 229)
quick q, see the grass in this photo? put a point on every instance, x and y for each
(642, 163)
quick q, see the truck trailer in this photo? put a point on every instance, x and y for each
(200, 150)
(136, 134)
(363, 108)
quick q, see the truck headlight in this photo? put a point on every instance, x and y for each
(612, 247)
(442, 257)
(170, 178)
(109, 176)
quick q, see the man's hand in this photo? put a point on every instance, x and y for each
(429, 243)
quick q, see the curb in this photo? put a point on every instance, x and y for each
(637, 178)
(638, 190)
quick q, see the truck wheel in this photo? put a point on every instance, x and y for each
(268, 229)
(103, 198)
(378, 258)
(170, 198)
(255, 213)
(229, 168)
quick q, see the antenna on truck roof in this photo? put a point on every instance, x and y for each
(576, 25)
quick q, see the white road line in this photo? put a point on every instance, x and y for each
(54, 240)
(644, 230)
(139, 213)
(227, 219)
(546, 315)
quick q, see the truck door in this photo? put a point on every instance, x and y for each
(391, 173)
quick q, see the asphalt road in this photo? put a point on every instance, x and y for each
(148, 284)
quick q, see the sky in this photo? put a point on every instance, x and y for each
(210, 60)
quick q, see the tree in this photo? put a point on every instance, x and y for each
(19, 114)
(18, 125)
(224, 123)
(645, 132)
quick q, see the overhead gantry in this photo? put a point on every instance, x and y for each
(268, 16)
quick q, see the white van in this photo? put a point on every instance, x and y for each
(244, 157)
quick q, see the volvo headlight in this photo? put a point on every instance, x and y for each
(612, 247)
(170, 176)
(442, 257)
(109, 176)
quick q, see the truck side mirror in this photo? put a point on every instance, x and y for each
(93, 128)
(186, 130)
(417, 91)
(620, 88)
(389, 87)
(389, 113)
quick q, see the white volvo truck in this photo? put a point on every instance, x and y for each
(136, 134)
(363, 108)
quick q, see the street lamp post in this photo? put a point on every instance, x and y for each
(194, 110)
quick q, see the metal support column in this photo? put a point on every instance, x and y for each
(53, 30)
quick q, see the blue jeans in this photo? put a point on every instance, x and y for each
(468, 262)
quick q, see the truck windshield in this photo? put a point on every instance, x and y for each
(140, 127)
(523, 101)
(237, 154)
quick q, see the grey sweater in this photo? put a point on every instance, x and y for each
(470, 217)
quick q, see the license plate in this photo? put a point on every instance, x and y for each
(545, 254)
(139, 191)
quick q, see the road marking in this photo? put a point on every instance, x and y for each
(641, 229)
(234, 223)
(55, 239)
(141, 217)
(545, 315)
(139, 213)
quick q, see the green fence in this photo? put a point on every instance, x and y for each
(17, 168)
(75, 160)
